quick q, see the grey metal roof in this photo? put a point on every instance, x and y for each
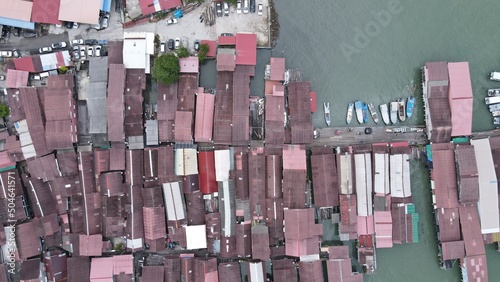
(98, 69)
(136, 142)
(96, 105)
(151, 132)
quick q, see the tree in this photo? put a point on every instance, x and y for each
(62, 70)
(182, 52)
(4, 111)
(202, 54)
(166, 69)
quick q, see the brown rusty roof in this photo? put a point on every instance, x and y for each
(86, 167)
(223, 108)
(46, 226)
(167, 101)
(61, 81)
(294, 188)
(41, 199)
(476, 268)
(275, 219)
(284, 270)
(67, 162)
(78, 269)
(205, 269)
(275, 120)
(10, 183)
(468, 175)
(226, 59)
(445, 184)
(154, 273)
(228, 247)
(229, 272)
(204, 117)
(277, 69)
(453, 250)
(448, 221)
(43, 168)
(29, 100)
(101, 160)
(274, 175)
(260, 242)
(134, 167)
(165, 161)
(302, 235)
(471, 230)
(15, 105)
(152, 197)
(116, 87)
(154, 222)
(61, 134)
(311, 271)
(186, 92)
(195, 207)
(30, 270)
(183, 126)
(437, 71)
(257, 180)
(117, 156)
(172, 268)
(27, 242)
(243, 240)
(299, 104)
(111, 183)
(115, 52)
(55, 263)
(324, 175)
(93, 214)
(241, 172)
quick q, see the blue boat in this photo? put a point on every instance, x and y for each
(410, 104)
(365, 113)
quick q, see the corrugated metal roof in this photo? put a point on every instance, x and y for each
(471, 230)
(183, 126)
(461, 98)
(277, 69)
(174, 202)
(204, 117)
(294, 188)
(16, 78)
(31, 105)
(115, 102)
(299, 105)
(243, 239)
(256, 176)
(212, 47)
(274, 175)
(229, 272)
(189, 64)
(445, 187)
(134, 167)
(195, 206)
(275, 120)
(468, 175)
(246, 49)
(226, 40)
(452, 250)
(154, 273)
(311, 271)
(186, 92)
(223, 108)
(206, 164)
(27, 242)
(78, 269)
(98, 70)
(476, 268)
(383, 229)
(364, 187)
(294, 157)
(302, 235)
(222, 164)
(96, 105)
(111, 184)
(241, 172)
(324, 176)
(186, 161)
(260, 242)
(154, 223)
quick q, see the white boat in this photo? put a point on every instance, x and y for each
(495, 113)
(402, 109)
(492, 100)
(495, 76)
(384, 110)
(359, 111)
(326, 107)
(493, 92)
(496, 121)
(394, 112)
(350, 109)
(373, 112)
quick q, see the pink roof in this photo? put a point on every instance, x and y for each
(189, 64)
(278, 90)
(204, 117)
(16, 9)
(246, 49)
(212, 47)
(277, 69)
(101, 269)
(123, 264)
(183, 121)
(225, 60)
(169, 4)
(294, 157)
(461, 98)
(46, 11)
(16, 78)
(302, 234)
(226, 40)
(366, 225)
(24, 63)
(383, 229)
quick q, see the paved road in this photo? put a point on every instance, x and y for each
(29, 46)
(342, 136)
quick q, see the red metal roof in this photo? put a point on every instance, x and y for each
(189, 64)
(212, 47)
(302, 235)
(226, 40)
(206, 172)
(246, 49)
(313, 101)
(260, 242)
(25, 64)
(277, 69)
(461, 98)
(275, 120)
(204, 117)
(477, 268)
(452, 250)
(183, 123)
(471, 230)
(149, 7)
(46, 11)
(186, 92)
(116, 106)
(299, 104)
(324, 175)
(445, 183)
(16, 78)
(366, 225)
(154, 223)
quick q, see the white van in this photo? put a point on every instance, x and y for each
(245, 6)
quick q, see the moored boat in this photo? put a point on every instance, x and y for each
(493, 92)
(384, 110)
(495, 113)
(492, 100)
(365, 113)
(496, 121)
(326, 107)
(350, 109)
(373, 112)
(495, 76)
(394, 112)
(359, 111)
(401, 109)
(410, 104)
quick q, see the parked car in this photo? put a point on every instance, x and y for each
(30, 33)
(59, 45)
(172, 21)
(68, 25)
(97, 51)
(162, 47)
(45, 50)
(245, 6)
(177, 43)
(104, 21)
(226, 34)
(197, 45)
(171, 44)
(17, 32)
(238, 7)
(2, 77)
(218, 9)
(77, 42)
(252, 6)
(6, 54)
(76, 25)
(76, 52)
(83, 52)
(5, 31)
(260, 9)
(16, 53)
(91, 42)
(226, 9)
(90, 51)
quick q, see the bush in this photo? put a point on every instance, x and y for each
(182, 52)
(166, 69)
(4, 111)
(202, 54)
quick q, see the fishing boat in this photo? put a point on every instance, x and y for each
(492, 100)
(350, 108)
(326, 107)
(401, 109)
(496, 121)
(410, 104)
(394, 112)
(365, 113)
(493, 92)
(384, 110)
(495, 113)
(373, 112)
(359, 111)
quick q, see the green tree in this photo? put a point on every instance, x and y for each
(4, 111)
(232, 1)
(202, 54)
(182, 52)
(63, 70)
(166, 69)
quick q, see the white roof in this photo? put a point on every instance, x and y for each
(396, 167)
(174, 207)
(381, 170)
(186, 161)
(406, 176)
(16, 9)
(488, 194)
(363, 184)
(196, 237)
(222, 164)
(256, 271)
(80, 11)
(346, 175)
(134, 53)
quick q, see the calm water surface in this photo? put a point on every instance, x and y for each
(322, 39)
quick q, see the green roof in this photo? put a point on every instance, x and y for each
(7, 168)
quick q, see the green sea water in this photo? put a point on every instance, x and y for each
(373, 50)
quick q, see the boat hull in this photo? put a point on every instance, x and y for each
(384, 111)
(401, 110)
(350, 109)
(326, 107)
(359, 111)
(373, 112)
(394, 112)
(410, 105)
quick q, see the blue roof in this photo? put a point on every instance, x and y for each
(106, 5)
(17, 23)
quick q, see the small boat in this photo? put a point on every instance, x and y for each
(495, 76)
(492, 100)
(401, 109)
(350, 109)
(410, 104)
(495, 113)
(373, 112)
(394, 112)
(359, 111)
(365, 113)
(493, 92)
(384, 110)
(496, 121)
(326, 107)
